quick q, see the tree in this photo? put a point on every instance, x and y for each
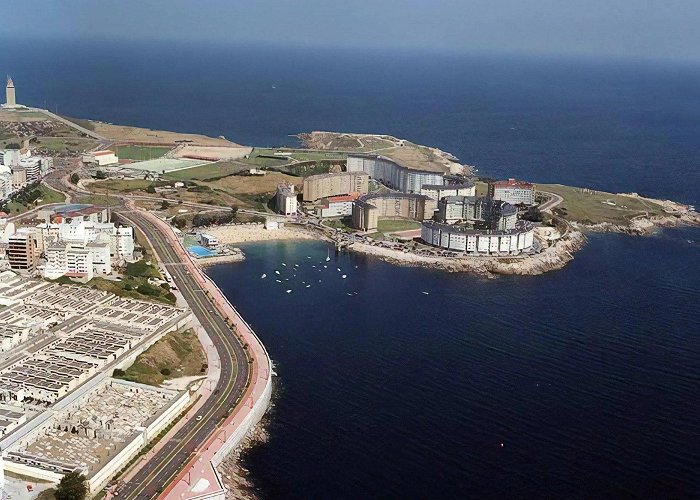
(73, 486)
(100, 175)
(165, 205)
(234, 209)
(151, 189)
(12, 145)
(74, 178)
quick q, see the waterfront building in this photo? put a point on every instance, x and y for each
(485, 213)
(439, 191)
(392, 174)
(513, 191)
(459, 238)
(208, 240)
(321, 186)
(10, 99)
(286, 199)
(336, 206)
(368, 209)
(77, 261)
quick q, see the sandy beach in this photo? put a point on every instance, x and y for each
(245, 233)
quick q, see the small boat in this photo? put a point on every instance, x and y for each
(263, 276)
(289, 291)
(296, 265)
(425, 293)
(328, 255)
(308, 286)
(313, 265)
(308, 257)
(349, 294)
(285, 265)
(325, 267)
(278, 281)
(276, 271)
(338, 269)
(344, 276)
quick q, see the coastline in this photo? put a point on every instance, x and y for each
(550, 259)
(248, 233)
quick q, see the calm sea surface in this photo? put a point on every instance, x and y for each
(580, 383)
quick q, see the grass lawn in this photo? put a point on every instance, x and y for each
(178, 354)
(48, 195)
(388, 226)
(395, 225)
(591, 207)
(140, 153)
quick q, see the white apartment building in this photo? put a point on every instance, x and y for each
(77, 261)
(287, 203)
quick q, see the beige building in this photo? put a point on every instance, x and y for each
(321, 186)
(10, 100)
(367, 210)
(21, 251)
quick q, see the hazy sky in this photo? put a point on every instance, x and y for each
(657, 29)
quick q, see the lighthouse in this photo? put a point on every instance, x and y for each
(10, 101)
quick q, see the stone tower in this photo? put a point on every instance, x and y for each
(10, 93)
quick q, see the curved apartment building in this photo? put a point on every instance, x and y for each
(473, 241)
(368, 209)
(393, 175)
(485, 212)
(321, 186)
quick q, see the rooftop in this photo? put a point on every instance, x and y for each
(513, 183)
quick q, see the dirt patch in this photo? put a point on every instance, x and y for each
(178, 354)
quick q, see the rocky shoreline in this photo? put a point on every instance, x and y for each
(550, 259)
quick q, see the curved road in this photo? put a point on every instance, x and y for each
(160, 470)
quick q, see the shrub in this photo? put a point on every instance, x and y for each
(141, 269)
(147, 290)
(165, 372)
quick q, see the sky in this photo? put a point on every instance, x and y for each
(640, 29)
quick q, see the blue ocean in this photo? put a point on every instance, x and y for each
(581, 383)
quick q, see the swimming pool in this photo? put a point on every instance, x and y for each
(200, 252)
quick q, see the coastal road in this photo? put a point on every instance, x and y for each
(160, 470)
(554, 200)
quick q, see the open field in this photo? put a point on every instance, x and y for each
(254, 184)
(211, 153)
(404, 152)
(163, 165)
(177, 354)
(347, 142)
(154, 137)
(86, 124)
(62, 145)
(140, 153)
(593, 207)
(122, 186)
(210, 171)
